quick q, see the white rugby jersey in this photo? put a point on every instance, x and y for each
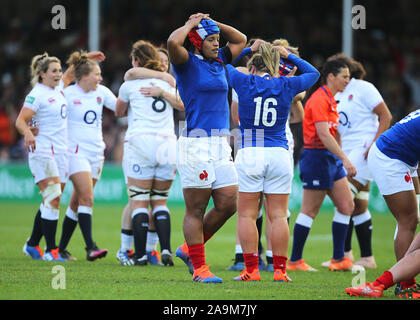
(147, 114)
(50, 117)
(85, 118)
(358, 123)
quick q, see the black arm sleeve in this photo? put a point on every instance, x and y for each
(228, 54)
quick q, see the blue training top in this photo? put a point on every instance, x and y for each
(402, 140)
(203, 88)
(264, 103)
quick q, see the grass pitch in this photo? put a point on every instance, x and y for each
(22, 278)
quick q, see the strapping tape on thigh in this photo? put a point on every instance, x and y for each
(159, 194)
(138, 194)
(354, 190)
(362, 195)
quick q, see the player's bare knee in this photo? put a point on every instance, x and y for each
(228, 209)
(86, 200)
(346, 208)
(408, 223)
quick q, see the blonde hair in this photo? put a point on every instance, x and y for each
(39, 63)
(284, 43)
(81, 63)
(146, 54)
(266, 60)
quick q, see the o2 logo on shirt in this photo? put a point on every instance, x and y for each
(344, 119)
(63, 111)
(90, 117)
(136, 168)
(158, 105)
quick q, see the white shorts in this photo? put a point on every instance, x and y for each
(264, 169)
(82, 163)
(356, 156)
(391, 175)
(149, 156)
(45, 166)
(205, 162)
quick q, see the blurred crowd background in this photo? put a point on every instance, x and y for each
(389, 47)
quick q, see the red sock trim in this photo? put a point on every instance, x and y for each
(251, 261)
(279, 262)
(207, 237)
(385, 279)
(197, 256)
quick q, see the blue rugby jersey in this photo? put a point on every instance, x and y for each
(264, 103)
(402, 140)
(203, 88)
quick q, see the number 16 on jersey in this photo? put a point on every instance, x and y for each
(266, 110)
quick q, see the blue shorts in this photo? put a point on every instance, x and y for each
(319, 169)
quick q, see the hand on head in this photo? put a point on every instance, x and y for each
(284, 53)
(195, 19)
(256, 45)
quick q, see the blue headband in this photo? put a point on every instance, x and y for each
(205, 28)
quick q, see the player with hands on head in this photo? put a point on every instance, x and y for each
(240, 64)
(263, 161)
(204, 154)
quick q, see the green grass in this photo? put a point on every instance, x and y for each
(22, 278)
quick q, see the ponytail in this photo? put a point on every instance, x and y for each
(40, 63)
(266, 60)
(81, 63)
(146, 54)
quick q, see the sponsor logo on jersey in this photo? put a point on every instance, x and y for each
(77, 101)
(51, 100)
(407, 177)
(136, 168)
(90, 117)
(30, 99)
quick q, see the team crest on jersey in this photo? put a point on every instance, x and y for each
(350, 98)
(77, 101)
(51, 100)
(99, 100)
(204, 175)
